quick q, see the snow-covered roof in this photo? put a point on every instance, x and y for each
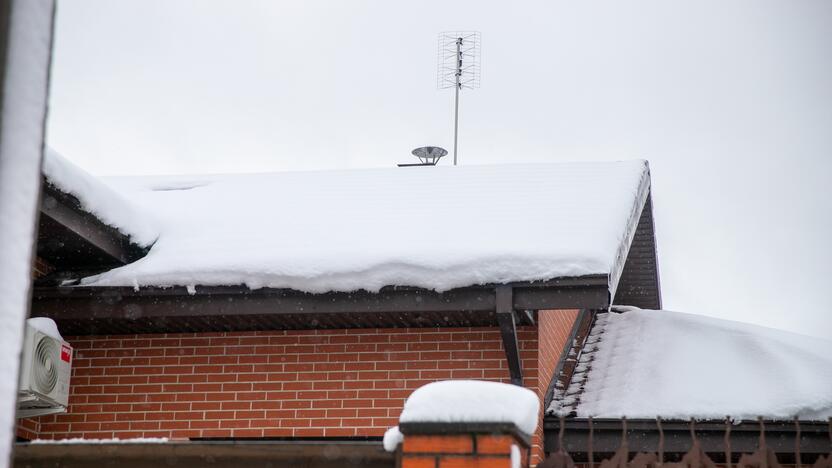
(433, 227)
(644, 364)
(98, 199)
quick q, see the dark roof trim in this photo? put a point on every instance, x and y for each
(643, 436)
(639, 284)
(106, 310)
(85, 229)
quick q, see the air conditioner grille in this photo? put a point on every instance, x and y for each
(45, 373)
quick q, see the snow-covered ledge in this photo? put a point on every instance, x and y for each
(465, 420)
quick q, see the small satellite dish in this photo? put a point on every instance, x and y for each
(428, 155)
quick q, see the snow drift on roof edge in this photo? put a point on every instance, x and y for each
(437, 228)
(99, 199)
(680, 366)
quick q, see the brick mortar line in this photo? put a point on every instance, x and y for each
(420, 377)
(145, 414)
(282, 372)
(299, 355)
(79, 355)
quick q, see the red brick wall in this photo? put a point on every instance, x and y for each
(28, 429)
(316, 383)
(311, 383)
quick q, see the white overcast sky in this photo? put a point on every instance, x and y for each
(731, 102)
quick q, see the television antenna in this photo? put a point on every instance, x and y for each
(458, 60)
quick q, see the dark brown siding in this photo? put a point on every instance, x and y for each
(639, 284)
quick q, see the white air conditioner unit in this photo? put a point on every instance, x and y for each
(44, 374)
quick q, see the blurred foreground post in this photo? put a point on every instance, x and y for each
(25, 54)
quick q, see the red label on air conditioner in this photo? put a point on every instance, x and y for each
(66, 353)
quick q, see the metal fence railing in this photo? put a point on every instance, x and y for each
(810, 449)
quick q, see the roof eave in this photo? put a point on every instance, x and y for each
(113, 310)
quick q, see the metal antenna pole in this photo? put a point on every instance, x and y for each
(458, 66)
(456, 100)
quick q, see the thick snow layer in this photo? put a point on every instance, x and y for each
(434, 227)
(675, 365)
(139, 440)
(472, 401)
(45, 325)
(24, 98)
(392, 438)
(99, 199)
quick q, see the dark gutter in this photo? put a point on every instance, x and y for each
(643, 436)
(97, 310)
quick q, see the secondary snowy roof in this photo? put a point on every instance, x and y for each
(97, 198)
(644, 364)
(432, 227)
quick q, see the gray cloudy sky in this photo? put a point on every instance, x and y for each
(731, 102)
